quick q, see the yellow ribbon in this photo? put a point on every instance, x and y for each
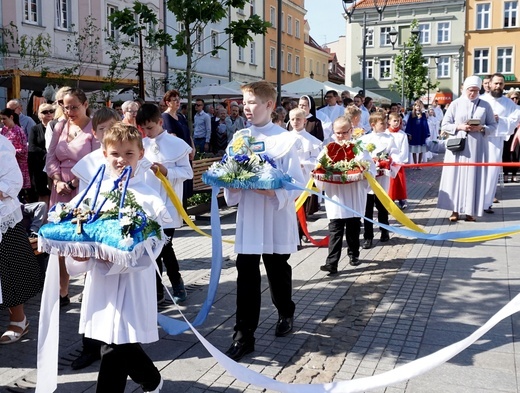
(178, 205)
(397, 213)
(305, 194)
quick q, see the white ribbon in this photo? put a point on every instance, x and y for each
(49, 329)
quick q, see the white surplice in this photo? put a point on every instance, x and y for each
(267, 225)
(308, 150)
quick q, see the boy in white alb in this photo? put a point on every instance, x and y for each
(275, 233)
(118, 308)
(170, 155)
(352, 195)
(308, 150)
(397, 190)
(384, 144)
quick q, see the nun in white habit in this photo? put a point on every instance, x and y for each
(462, 188)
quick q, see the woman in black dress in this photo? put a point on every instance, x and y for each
(20, 276)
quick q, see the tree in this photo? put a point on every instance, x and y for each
(35, 50)
(413, 77)
(84, 47)
(194, 16)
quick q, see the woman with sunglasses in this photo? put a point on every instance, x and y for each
(72, 139)
(38, 153)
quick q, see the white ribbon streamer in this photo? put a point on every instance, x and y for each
(397, 375)
(49, 330)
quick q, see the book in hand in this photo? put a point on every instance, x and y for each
(473, 122)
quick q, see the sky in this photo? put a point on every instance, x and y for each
(326, 22)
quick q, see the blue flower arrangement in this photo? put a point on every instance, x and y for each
(244, 168)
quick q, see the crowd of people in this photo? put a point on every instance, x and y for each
(53, 160)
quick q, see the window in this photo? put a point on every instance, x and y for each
(283, 21)
(483, 16)
(272, 58)
(505, 60)
(424, 36)
(199, 41)
(289, 25)
(272, 17)
(297, 65)
(385, 69)
(317, 67)
(481, 61)
(111, 30)
(253, 53)
(297, 28)
(323, 69)
(252, 8)
(369, 69)
(369, 37)
(214, 43)
(31, 10)
(282, 67)
(443, 67)
(384, 37)
(310, 66)
(62, 14)
(240, 54)
(443, 32)
(289, 62)
(510, 10)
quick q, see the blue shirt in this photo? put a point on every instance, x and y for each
(202, 126)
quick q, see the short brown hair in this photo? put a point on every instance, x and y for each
(377, 116)
(393, 115)
(261, 89)
(170, 94)
(120, 132)
(104, 114)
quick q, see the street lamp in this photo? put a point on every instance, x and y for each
(349, 6)
(393, 40)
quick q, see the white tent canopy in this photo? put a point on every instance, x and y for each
(306, 86)
(215, 91)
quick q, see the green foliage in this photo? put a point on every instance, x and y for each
(199, 199)
(8, 38)
(415, 71)
(180, 81)
(84, 47)
(35, 51)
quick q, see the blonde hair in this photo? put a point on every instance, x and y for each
(297, 112)
(62, 91)
(340, 122)
(261, 89)
(121, 132)
(375, 117)
(352, 110)
(393, 115)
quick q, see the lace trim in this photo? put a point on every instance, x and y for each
(9, 221)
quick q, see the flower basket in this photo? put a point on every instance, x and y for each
(244, 166)
(339, 163)
(117, 231)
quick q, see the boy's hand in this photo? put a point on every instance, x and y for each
(157, 166)
(80, 259)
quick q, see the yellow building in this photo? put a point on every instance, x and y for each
(293, 20)
(316, 59)
(492, 37)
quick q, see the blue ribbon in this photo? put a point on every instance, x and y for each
(174, 326)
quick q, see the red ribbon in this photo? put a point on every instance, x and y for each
(303, 222)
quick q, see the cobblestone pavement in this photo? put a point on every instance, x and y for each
(408, 299)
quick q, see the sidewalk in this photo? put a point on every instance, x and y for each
(408, 299)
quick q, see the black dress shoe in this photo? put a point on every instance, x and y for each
(384, 238)
(367, 244)
(284, 326)
(64, 300)
(329, 268)
(354, 261)
(85, 360)
(489, 211)
(239, 349)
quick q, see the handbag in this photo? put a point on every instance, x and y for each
(456, 144)
(120, 233)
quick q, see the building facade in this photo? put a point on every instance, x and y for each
(441, 25)
(292, 53)
(492, 35)
(316, 59)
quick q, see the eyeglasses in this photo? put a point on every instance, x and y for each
(175, 100)
(71, 108)
(327, 97)
(129, 111)
(198, 104)
(514, 98)
(344, 132)
(47, 112)
(60, 102)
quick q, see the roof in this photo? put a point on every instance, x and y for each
(380, 3)
(315, 45)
